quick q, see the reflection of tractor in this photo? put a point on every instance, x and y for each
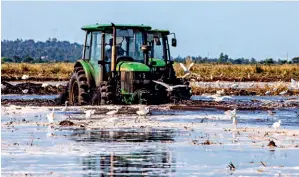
(116, 68)
(124, 158)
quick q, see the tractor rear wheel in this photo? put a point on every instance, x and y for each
(78, 88)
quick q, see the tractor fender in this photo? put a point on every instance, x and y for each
(88, 69)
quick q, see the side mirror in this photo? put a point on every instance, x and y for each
(170, 62)
(157, 41)
(173, 42)
(146, 48)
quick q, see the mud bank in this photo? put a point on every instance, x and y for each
(34, 78)
(245, 89)
(183, 105)
(30, 88)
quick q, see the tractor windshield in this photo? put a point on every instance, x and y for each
(157, 47)
(128, 43)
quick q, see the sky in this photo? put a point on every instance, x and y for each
(239, 29)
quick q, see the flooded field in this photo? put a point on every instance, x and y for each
(165, 143)
(190, 138)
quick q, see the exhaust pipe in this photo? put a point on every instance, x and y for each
(113, 50)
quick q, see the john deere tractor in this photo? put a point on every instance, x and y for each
(118, 66)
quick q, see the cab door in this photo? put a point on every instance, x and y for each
(95, 55)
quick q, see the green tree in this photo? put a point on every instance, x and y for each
(28, 60)
(295, 60)
(221, 58)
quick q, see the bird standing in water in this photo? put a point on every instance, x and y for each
(276, 125)
(233, 116)
(64, 109)
(89, 113)
(51, 116)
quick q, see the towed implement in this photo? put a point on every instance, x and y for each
(119, 66)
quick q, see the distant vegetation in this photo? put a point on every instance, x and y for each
(53, 50)
(30, 51)
(206, 72)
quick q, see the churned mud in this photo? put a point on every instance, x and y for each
(30, 88)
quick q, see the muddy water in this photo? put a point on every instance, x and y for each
(166, 143)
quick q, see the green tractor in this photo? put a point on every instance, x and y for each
(118, 66)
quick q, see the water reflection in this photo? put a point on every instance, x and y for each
(124, 159)
(124, 136)
(152, 162)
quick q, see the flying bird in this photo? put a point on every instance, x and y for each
(50, 116)
(168, 87)
(276, 125)
(186, 70)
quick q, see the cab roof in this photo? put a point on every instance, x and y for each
(163, 31)
(103, 27)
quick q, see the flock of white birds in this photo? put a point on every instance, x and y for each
(144, 110)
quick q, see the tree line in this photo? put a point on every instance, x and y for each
(53, 50)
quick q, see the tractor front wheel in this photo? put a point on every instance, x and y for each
(78, 88)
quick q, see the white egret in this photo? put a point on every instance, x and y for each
(25, 77)
(89, 113)
(218, 98)
(25, 91)
(143, 111)
(283, 93)
(45, 85)
(51, 116)
(294, 84)
(65, 107)
(168, 87)
(233, 115)
(186, 70)
(276, 125)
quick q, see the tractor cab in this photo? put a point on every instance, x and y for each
(160, 53)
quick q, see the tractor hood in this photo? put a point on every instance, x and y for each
(131, 66)
(159, 62)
